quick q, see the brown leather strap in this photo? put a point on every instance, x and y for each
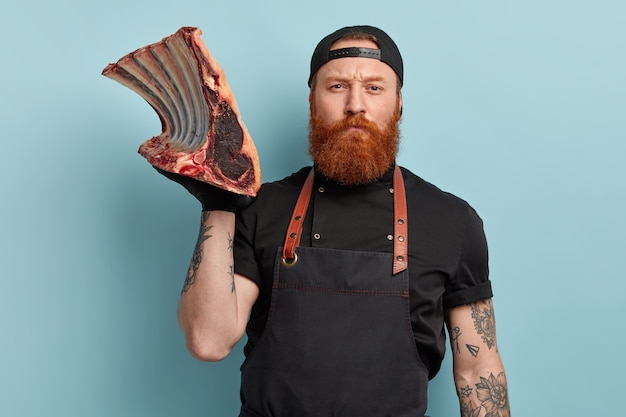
(400, 225)
(294, 231)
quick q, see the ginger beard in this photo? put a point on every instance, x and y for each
(353, 157)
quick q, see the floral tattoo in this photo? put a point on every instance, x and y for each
(492, 397)
(484, 322)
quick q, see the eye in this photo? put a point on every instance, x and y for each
(375, 88)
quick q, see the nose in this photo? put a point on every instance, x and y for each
(354, 103)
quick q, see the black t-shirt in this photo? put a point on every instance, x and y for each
(448, 260)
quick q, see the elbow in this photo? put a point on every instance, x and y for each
(208, 349)
(207, 354)
(209, 341)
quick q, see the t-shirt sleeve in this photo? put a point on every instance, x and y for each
(471, 281)
(243, 248)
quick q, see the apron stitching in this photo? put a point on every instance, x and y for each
(313, 288)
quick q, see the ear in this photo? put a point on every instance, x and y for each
(400, 102)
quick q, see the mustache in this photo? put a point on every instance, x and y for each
(355, 121)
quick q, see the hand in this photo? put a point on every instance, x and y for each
(211, 197)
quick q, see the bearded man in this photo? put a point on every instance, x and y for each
(344, 275)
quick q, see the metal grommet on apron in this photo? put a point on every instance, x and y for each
(338, 339)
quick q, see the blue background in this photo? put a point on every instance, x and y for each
(517, 107)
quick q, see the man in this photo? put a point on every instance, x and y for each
(344, 275)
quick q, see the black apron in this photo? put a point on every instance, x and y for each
(338, 339)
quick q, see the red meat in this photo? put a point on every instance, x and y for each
(203, 135)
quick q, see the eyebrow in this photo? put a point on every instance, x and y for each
(342, 78)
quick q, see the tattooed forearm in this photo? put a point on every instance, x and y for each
(196, 258)
(492, 397)
(484, 321)
(478, 373)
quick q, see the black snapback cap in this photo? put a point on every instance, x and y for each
(388, 52)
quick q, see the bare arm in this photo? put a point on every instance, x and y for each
(215, 302)
(478, 371)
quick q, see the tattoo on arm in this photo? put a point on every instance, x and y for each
(196, 258)
(492, 396)
(473, 349)
(454, 340)
(232, 278)
(232, 267)
(455, 345)
(484, 321)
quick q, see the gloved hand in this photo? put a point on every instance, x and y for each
(211, 197)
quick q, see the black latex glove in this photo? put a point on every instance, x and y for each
(210, 196)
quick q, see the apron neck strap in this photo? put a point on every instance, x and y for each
(400, 226)
(294, 231)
